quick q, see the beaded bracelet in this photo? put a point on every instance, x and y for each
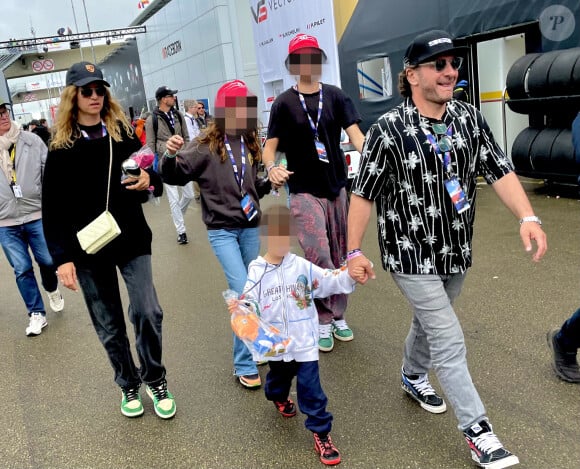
(169, 155)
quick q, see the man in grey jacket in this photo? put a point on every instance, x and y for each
(164, 122)
(22, 158)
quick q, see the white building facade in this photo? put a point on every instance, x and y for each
(194, 46)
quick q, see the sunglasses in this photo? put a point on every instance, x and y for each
(88, 92)
(440, 64)
(444, 142)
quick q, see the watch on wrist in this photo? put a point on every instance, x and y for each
(532, 218)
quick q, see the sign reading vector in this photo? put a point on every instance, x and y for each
(171, 49)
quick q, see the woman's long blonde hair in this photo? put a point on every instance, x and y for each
(66, 129)
(213, 136)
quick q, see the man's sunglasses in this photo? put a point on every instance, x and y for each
(443, 140)
(440, 64)
(88, 92)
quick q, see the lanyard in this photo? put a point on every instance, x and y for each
(239, 178)
(303, 102)
(13, 160)
(444, 157)
(103, 131)
(171, 119)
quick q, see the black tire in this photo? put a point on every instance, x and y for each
(521, 150)
(516, 77)
(538, 75)
(541, 151)
(560, 80)
(562, 158)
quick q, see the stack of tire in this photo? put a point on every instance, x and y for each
(546, 86)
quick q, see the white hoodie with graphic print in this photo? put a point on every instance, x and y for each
(283, 296)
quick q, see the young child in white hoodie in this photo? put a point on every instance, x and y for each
(281, 287)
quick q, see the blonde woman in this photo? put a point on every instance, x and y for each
(90, 122)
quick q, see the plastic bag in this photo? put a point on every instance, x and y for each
(145, 157)
(261, 338)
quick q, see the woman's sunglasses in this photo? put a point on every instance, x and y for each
(440, 64)
(88, 92)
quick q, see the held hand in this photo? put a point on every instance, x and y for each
(531, 231)
(278, 175)
(138, 184)
(174, 144)
(361, 269)
(67, 274)
(233, 305)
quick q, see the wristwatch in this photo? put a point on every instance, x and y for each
(532, 218)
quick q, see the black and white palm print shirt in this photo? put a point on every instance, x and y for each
(420, 231)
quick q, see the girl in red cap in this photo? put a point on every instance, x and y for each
(224, 162)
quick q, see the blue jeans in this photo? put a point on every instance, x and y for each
(311, 398)
(101, 292)
(436, 341)
(15, 242)
(235, 249)
(568, 337)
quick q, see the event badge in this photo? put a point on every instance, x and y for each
(321, 150)
(457, 195)
(17, 191)
(248, 207)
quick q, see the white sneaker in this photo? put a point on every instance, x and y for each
(36, 324)
(56, 300)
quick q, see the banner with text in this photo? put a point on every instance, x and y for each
(275, 23)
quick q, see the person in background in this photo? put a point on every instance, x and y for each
(420, 163)
(164, 122)
(193, 130)
(305, 123)
(39, 129)
(564, 341)
(22, 160)
(92, 138)
(203, 118)
(140, 127)
(224, 161)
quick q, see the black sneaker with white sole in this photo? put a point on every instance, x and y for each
(486, 449)
(419, 388)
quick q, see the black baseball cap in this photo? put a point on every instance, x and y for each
(3, 104)
(34, 122)
(428, 45)
(163, 91)
(83, 73)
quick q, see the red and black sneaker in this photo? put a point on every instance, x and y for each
(323, 445)
(286, 408)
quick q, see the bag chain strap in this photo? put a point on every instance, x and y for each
(110, 165)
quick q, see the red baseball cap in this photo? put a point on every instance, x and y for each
(234, 88)
(303, 41)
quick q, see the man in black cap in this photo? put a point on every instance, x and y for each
(420, 163)
(164, 122)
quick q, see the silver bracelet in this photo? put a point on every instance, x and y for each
(533, 218)
(169, 155)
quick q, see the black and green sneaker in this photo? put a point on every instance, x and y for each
(163, 400)
(131, 405)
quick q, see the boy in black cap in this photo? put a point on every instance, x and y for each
(420, 163)
(164, 122)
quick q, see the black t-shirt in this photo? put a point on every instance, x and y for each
(289, 123)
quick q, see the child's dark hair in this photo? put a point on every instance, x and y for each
(277, 221)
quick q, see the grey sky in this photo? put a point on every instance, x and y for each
(47, 16)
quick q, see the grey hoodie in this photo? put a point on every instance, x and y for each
(29, 160)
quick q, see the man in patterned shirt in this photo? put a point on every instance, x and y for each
(420, 163)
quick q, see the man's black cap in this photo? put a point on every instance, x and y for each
(83, 73)
(428, 45)
(34, 122)
(163, 91)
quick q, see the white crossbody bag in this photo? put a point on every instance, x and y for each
(103, 229)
